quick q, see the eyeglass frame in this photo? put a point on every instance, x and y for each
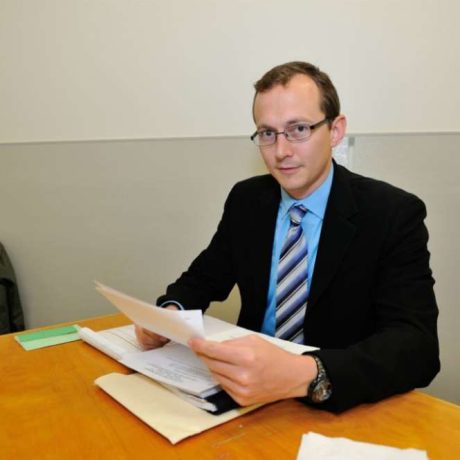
(277, 133)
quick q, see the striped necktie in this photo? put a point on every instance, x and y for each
(291, 289)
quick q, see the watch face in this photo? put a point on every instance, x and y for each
(322, 391)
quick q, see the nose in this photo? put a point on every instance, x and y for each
(283, 147)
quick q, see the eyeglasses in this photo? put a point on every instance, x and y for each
(297, 132)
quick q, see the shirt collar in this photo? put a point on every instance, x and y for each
(315, 202)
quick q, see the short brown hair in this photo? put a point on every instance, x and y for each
(283, 74)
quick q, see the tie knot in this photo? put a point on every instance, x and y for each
(296, 213)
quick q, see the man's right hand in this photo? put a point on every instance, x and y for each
(148, 339)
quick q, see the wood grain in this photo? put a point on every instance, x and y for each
(50, 408)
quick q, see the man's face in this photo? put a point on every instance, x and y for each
(301, 167)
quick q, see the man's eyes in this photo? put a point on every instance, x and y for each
(300, 128)
(266, 133)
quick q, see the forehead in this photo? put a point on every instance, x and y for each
(299, 98)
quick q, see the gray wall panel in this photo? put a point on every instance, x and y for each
(133, 214)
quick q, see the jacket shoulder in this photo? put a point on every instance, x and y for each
(256, 183)
(373, 191)
(255, 189)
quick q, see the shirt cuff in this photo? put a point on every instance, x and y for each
(169, 302)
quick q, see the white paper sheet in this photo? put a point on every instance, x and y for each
(237, 332)
(178, 326)
(174, 365)
(115, 342)
(177, 365)
(318, 447)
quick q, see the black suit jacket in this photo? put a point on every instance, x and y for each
(11, 315)
(371, 311)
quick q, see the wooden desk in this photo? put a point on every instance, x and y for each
(50, 408)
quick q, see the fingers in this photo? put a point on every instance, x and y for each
(221, 368)
(239, 393)
(207, 348)
(223, 360)
(235, 351)
(253, 370)
(148, 339)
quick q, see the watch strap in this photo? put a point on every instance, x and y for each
(320, 389)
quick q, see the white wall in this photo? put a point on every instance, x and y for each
(119, 69)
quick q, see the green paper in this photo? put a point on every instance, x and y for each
(48, 337)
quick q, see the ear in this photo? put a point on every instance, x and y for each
(338, 129)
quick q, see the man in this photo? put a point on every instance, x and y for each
(320, 256)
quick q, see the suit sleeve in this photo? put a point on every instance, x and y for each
(402, 353)
(210, 276)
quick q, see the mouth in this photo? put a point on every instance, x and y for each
(288, 169)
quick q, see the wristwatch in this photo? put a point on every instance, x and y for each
(320, 389)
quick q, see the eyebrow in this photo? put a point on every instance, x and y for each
(289, 123)
(264, 126)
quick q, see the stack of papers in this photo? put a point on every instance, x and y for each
(174, 365)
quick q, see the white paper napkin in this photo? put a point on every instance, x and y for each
(318, 447)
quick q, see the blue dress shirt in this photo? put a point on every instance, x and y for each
(311, 225)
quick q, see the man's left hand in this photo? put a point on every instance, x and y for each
(252, 370)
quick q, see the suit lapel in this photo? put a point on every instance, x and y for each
(266, 216)
(336, 235)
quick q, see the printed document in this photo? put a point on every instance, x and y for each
(174, 365)
(178, 326)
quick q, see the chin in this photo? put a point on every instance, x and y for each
(294, 192)
(292, 187)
